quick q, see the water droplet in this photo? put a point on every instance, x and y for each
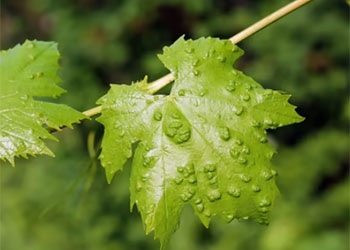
(206, 55)
(190, 168)
(213, 181)
(192, 179)
(245, 97)
(234, 49)
(255, 124)
(184, 136)
(209, 168)
(263, 139)
(224, 133)
(195, 62)
(264, 203)
(214, 195)
(264, 210)
(231, 86)
(210, 175)
(256, 188)
(268, 93)
(238, 142)
(267, 175)
(175, 124)
(30, 45)
(207, 213)
(138, 186)
(198, 201)
(248, 86)
(157, 116)
(200, 207)
(221, 59)
(235, 192)
(234, 153)
(245, 218)
(147, 161)
(171, 132)
(229, 217)
(122, 133)
(245, 178)
(178, 180)
(149, 102)
(274, 172)
(245, 150)
(32, 76)
(239, 111)
(242, 160)
(39, 74)
(202, 93)
(180, 169)
(189, 50)
(268, 122)
(196, 72)
(181, 92)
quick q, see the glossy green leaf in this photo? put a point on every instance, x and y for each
(30, 70)
(205, 144)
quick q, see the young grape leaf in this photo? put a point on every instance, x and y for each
(205, 144)
(30, 70)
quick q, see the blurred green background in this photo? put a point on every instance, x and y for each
(65, 203)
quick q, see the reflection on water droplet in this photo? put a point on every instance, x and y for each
(221, 59)
(214, 195)
(264, 203)
(178, 180)
(200, 207)
(234, 153)
(274, 172)
(189, 50)
(181, 92)
(157, 116)
(255, 124)
(138, 186)
(242, 160)
(245, 178)
(229, 218)
(256, 188)
(245, 150)
(196, 72)
(195, 62)
(231, 86)
(245, 97)
(224, 133)
(207, 213)
(239, 111)
(267, 175)
(235, 192)
(192, 179)
(263, 139)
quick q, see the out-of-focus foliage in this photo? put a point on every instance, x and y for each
(30, 70)
(51, 204)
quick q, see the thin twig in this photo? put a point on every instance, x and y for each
(154, 86)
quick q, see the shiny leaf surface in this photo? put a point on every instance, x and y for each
(204, 145)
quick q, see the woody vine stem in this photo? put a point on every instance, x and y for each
(153, 87)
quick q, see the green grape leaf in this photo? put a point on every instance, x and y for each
(30, 70)
(204, 144)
